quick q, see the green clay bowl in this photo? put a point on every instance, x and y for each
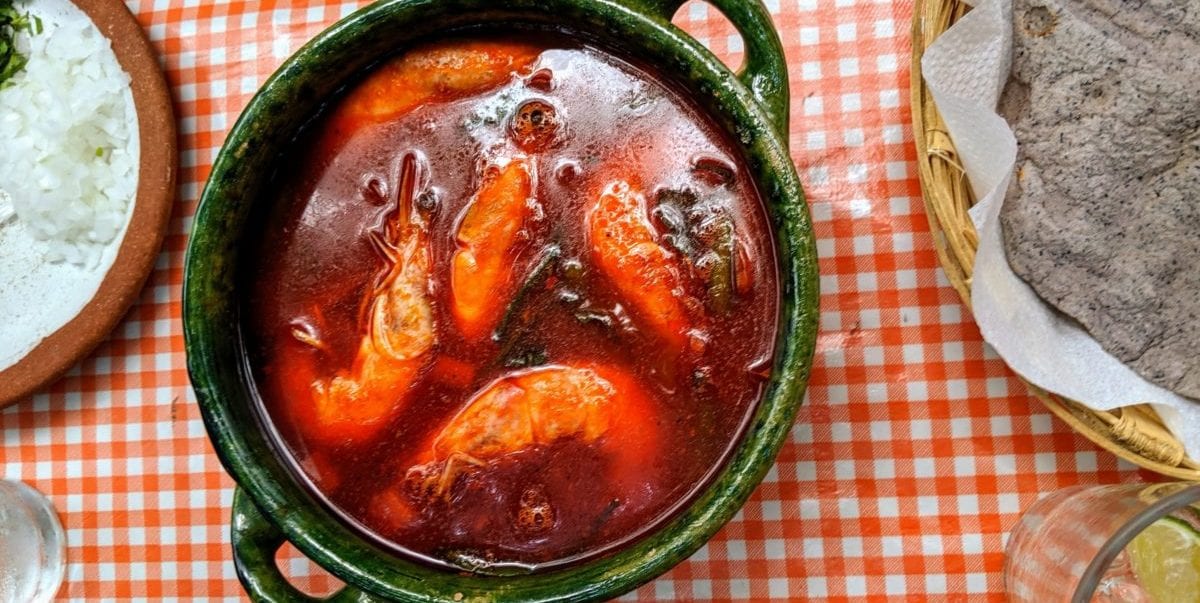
(271, 505)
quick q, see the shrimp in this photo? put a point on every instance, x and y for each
(624, 244)
(356, 402)
(541, 406)
(431, 73)
(488, 238)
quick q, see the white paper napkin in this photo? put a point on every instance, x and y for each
(966, 69)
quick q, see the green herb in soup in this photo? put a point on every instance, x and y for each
(515, 302)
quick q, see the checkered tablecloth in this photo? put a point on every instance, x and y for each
(914, 454)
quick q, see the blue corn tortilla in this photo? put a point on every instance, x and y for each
(1103, 215)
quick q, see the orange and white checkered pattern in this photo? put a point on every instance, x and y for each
(914, 454)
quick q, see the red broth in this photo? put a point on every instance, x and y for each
(649, 356)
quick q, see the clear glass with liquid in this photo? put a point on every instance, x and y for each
(32, 545)
(1127, 543)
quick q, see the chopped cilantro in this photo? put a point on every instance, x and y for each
(11, 22)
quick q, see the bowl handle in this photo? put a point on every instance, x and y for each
(764, 71)
(255, 542)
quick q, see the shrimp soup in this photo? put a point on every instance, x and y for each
(514, 304)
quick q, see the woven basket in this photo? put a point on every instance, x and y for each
(1134, 433)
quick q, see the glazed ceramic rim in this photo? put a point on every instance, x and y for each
(1090, 580)
(224, 384)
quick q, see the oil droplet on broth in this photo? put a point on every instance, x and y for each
(536, 125)
(535, 514)
(428, 200)
(374, 190)
(567, 171)
(713, 170)
(541, 80)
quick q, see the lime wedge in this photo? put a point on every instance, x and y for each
(1166, 560)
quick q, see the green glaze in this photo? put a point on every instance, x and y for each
(271, 506)
(764, 71)
(255, 542)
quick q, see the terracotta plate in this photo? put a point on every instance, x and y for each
(151, 212)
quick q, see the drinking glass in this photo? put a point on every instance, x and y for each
(1086, 544)
(32, 546)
